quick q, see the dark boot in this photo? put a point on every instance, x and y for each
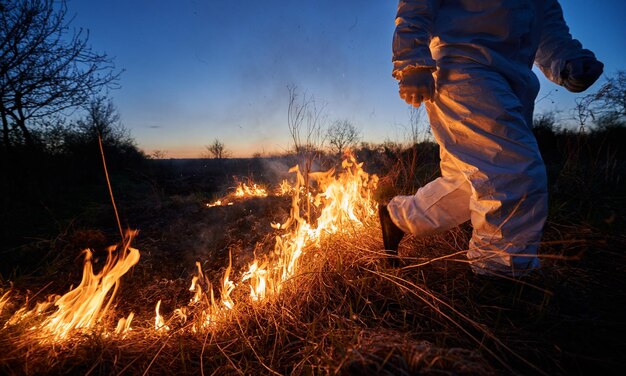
(391, 233)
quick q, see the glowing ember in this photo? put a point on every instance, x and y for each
(216, 203)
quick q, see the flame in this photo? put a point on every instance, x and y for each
(159, 322)
(227, 285)
(345, 199)
(213, 204)
(257, 275)
(4, 300)
(195, 286)
(123, 326)
(344, 202)
(88, 303)
(243, 190)
(284, 188)
(204, 298)
(181, 313)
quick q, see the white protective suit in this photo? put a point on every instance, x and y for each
(481, 53)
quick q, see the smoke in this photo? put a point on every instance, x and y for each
(277, 169)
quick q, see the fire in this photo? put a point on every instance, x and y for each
(159, 322)
(213, 204)
(4, 300)
(123, 326)
(87, 304)
(227, 285)
(243, 190)
(257, 275)
(344, 202)
(284, 188)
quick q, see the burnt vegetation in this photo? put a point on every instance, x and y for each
(347, 311)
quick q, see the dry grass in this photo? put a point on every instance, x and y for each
(346, 312)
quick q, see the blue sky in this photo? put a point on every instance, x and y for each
(196, 70)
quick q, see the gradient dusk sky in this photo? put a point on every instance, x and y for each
(196, 70)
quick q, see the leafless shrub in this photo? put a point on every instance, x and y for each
(217, 150)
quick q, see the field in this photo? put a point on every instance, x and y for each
(345, 309)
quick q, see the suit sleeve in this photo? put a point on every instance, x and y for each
(556, 45)
(411, 39)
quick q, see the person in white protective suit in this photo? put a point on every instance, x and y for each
(470, 62)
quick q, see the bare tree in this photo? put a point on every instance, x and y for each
(158, 154)
(217, 150)
(341, 135)
(102, 119)
(45, 68)
(304, 120)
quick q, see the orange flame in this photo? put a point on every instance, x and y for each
(344, 202)
(159, 322)
(87, 304)
(257, 275)
(227, 285)
(123, 326)
(4, 300)
(243, 190)
(284, 188)
(213, 204)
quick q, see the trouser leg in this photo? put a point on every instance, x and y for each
(436, 207)
(483, 126)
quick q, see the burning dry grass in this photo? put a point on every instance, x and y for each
(344, 311)
(341, 310)
(336, 315)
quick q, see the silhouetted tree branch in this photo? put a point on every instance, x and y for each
(217, 150)
(45, 68)
(340, 135)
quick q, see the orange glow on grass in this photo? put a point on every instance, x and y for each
(86, 305)
(344, 201)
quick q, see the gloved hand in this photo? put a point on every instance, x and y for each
(417, 85)
(581, 73)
